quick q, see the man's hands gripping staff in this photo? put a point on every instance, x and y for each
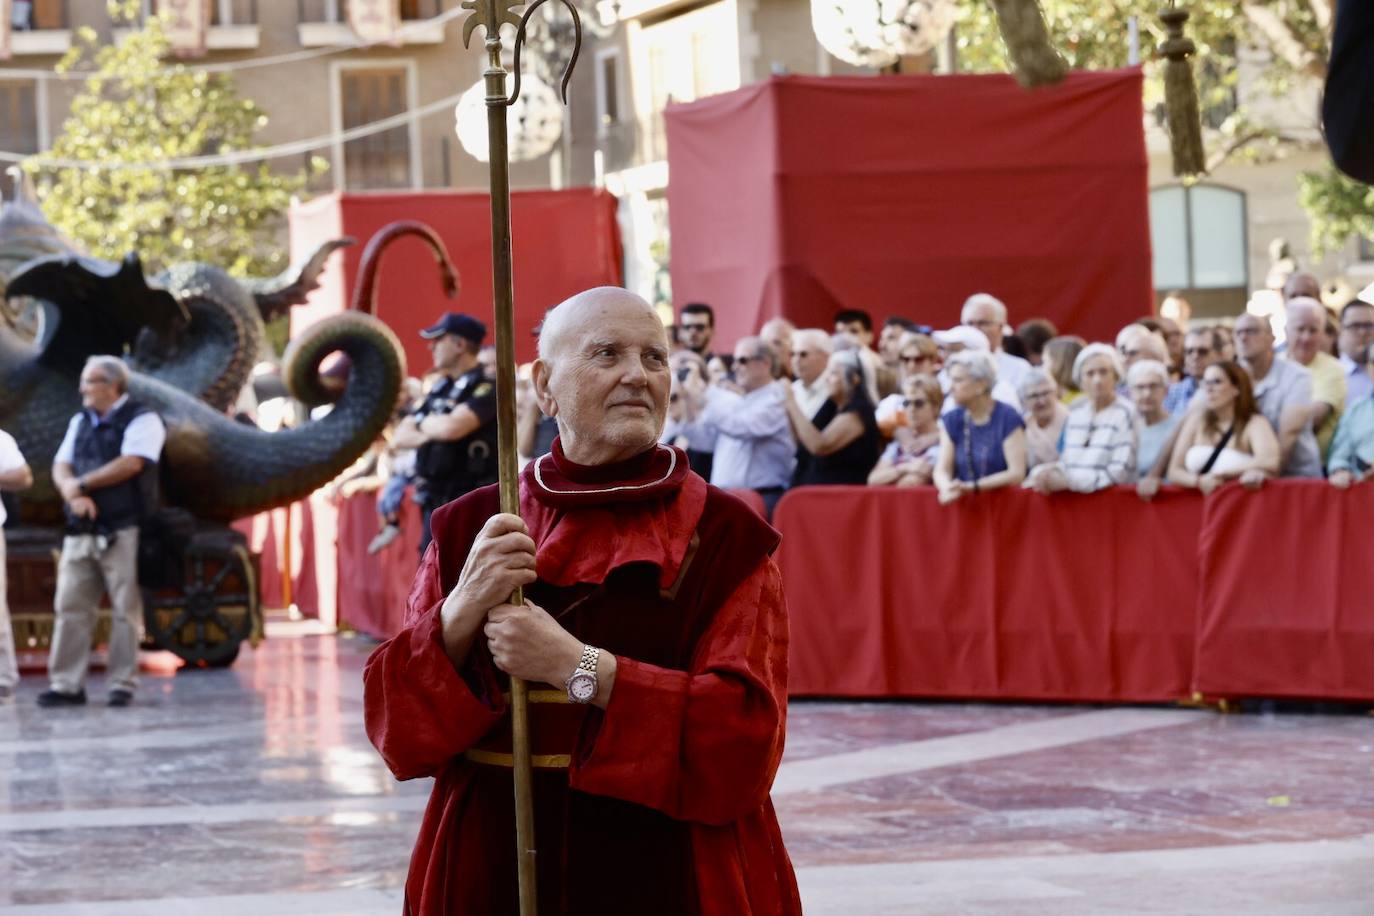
(524, 641)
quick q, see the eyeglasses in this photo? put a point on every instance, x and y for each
(915, 402)
(746, 360)
(1364, 327)
(695, 327)
(1197, 351)
(1039, 395)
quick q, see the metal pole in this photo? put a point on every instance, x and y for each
(503, 306)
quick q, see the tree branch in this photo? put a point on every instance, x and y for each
(1283, 40)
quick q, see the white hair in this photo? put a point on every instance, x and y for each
(115, 370)
(999, 308)
(1033, 378)
(1144, 368)
(758, 349)
(978, 364)
(778, 322)
(1091, 351)
(1147, 340)
(812, 338)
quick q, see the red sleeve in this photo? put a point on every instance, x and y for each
(420, 712)
(699, 745)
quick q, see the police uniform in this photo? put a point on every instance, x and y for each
(445, 471)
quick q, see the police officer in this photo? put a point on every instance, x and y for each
(454, 429)
(106, 471)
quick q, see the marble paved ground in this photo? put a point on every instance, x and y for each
(254, 790)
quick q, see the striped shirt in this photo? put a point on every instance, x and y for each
(1099, 445)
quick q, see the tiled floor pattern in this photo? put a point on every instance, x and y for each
(254, 790)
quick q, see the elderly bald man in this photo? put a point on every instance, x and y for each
(1306, 330)
(655, 641)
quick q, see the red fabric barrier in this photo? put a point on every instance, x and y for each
(1009, 595)
(800, 195)
(566, 241)
(1012, 595)
(372, 598)
(1287, 605)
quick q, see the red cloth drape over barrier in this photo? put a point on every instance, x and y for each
(373, 592)
(1011, 595)
(903, 195)
(565, 241)
(1008, 595)
(1288, 593)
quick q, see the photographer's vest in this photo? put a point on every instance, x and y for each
(123, 505)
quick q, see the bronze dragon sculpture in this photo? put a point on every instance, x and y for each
(192, 336)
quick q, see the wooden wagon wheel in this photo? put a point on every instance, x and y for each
(216, 609)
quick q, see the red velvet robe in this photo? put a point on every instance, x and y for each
(660, 803)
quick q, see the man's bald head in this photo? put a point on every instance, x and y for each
(1301, 284)
(587, 310)
(602, 374)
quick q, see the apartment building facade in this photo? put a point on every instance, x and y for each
(301, 64)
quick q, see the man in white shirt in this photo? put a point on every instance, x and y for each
(14, 475)
(810, 355)
(754, 445)
(988, 314)
(106, 471)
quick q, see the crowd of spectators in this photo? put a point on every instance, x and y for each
(980, 405)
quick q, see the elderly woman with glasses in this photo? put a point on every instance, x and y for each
(917, 355)
(1099, 434)
(1044, 414)
(909, 460)
(1148, 382)
(982, 440)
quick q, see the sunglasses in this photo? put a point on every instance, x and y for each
(914, 402)
(746, 360)
(801, 354)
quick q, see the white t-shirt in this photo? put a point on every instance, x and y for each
(144, 436)
(10, 460)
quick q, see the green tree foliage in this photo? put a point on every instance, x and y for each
(141, 107)
(1295, 34)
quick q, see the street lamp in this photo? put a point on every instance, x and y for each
(533, 124)
(876, 33)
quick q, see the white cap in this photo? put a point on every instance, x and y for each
(966, 334)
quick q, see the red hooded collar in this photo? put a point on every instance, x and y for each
(587, 521)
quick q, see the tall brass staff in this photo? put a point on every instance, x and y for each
(491, 15)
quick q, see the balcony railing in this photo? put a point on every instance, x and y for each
(337, 10)
(38, 15)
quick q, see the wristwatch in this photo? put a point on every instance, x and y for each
(581, 684)
(81, 485)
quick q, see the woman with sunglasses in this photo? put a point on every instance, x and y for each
(916, 355)
(909, 460)
(1228, 440)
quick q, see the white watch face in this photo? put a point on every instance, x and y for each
(582, 687)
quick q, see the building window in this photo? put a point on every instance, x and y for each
(608, 87)
(18, 124)
(1199, 237)
(380, 160)
(1366, 249)
(37, 14)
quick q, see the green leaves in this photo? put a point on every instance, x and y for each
(142, 107)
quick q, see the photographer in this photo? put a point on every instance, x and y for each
(692, 394)
(106, 471)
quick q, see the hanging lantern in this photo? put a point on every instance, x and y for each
(875, 33)
(533, 124)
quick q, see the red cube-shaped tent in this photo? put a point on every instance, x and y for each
(564, 242)
(903, 195)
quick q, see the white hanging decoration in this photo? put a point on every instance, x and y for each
(533, 124)
(875, 33)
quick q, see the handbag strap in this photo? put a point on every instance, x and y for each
(1216, 452)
